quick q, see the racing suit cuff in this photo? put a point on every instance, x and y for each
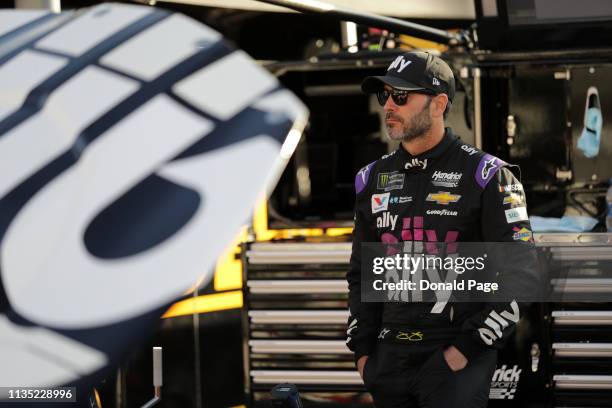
(469, 347)
(362, 350)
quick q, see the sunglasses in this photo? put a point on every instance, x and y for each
(398, 96)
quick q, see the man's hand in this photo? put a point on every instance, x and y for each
(361, 364)
(454, 358)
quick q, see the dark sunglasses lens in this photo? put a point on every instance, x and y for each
(382, 97)
(399, 98)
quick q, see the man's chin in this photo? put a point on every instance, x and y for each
(394, 134)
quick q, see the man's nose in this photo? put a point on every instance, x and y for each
(390, 106)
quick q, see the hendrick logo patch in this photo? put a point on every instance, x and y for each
(443, 179)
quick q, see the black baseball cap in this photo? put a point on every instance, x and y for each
(415, 71)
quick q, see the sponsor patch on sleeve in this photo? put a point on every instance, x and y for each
(487, 167)
(361, 179)
(514, 200)
(521, 234)
(510, 188)
(516, 214)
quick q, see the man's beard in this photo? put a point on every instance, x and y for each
(418, 125)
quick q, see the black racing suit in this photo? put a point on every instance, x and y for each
(453, 192)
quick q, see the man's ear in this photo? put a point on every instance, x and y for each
(439, 105)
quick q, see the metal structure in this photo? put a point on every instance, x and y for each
(295, 316)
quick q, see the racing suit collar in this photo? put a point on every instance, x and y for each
(424, 160)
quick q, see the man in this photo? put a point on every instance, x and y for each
(432, 188)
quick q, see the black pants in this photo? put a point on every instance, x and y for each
(416, 375)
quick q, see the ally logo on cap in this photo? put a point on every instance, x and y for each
(399, 64)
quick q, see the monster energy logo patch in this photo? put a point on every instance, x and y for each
(390, 181)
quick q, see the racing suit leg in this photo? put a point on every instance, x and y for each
(417, 376)
(388, 377)
(467, 388)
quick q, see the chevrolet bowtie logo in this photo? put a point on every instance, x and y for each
(513, 199)
(443, 197)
